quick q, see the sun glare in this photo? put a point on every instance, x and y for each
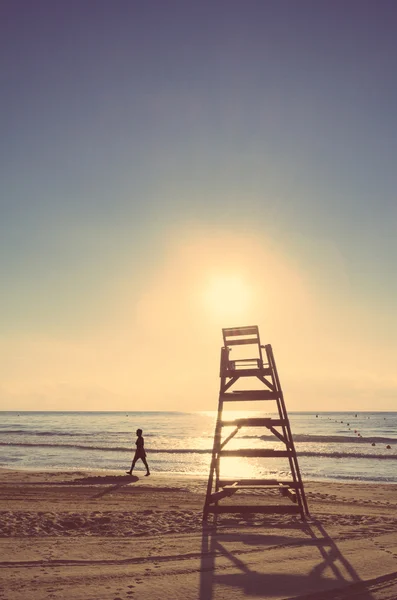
(228, 296)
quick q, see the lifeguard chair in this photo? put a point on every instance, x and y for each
(259, 367)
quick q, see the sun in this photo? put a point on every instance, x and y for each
(227, 296)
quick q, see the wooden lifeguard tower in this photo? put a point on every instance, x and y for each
(260, 370)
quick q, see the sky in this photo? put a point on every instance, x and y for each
(169, 168)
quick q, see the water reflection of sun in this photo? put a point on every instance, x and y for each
(232, 467)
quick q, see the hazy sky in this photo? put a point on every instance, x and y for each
(169, 168)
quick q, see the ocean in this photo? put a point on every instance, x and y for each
(334, 446)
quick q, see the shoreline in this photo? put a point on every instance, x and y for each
(94, 534)
(183, 445)
(181, 476)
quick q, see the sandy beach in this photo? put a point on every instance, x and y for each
(90, 535)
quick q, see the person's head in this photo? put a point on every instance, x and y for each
(139, 432)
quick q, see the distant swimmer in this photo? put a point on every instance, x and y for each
(139, 453)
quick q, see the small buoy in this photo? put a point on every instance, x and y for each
(348, 423)
(388, 447)
(355, 415)
(355, 431)
(373, 444)
(316, 416)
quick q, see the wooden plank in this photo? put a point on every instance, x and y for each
(262, 482)
(242, 341)
(229, 437)
(252, 487)
(249, 363)
(233, 372)
(249, 330)
(256, 453)
(262, 394)
(254, 422)
(247, 395)
(225, 493)
(231, 382)
(254, 508)
(279, 436)
(242, 361)
(266, 382)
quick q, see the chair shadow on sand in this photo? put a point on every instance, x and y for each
(314, 586)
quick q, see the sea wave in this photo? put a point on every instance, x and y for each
(29, 433)
(362, 478)
(45, 433)
(298, 438)
(313, 454)
(107, 448)
(335, 439)
(348, 455)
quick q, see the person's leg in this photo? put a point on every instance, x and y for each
(146, 465)
(132, 467)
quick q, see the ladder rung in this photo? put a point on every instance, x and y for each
(251, 486)
(256, 453)
(256, 422)
(261, 482)
(268, 509)
(240, 396)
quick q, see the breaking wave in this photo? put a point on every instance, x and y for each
(357, 455)
(336, 439)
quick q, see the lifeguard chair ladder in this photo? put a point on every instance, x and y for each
(269, 388)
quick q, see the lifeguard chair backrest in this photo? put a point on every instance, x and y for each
(243, 336)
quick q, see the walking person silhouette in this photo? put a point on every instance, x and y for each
(139, 453)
